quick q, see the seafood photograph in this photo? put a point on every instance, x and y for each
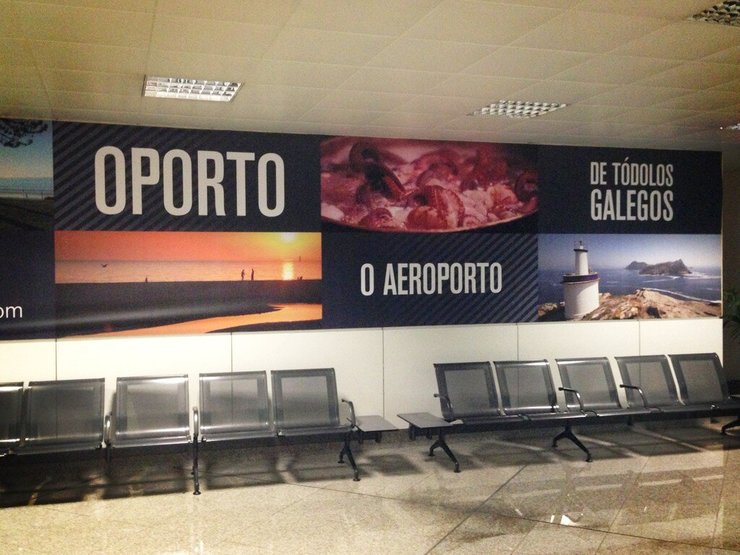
(403, 185)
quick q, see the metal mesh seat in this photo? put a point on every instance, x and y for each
(234, 405)
(703, 386)
(648, 383)
(64, 415)
(467, 391)
(526, 388)
(590, 382)
(305, 402)
(11, 401)
(151, 411)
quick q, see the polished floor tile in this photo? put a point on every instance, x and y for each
(668, 489)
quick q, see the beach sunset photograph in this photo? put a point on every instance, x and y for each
(160, 282)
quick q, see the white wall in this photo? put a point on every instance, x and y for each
(383, 371)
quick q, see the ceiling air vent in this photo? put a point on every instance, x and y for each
(726, 13)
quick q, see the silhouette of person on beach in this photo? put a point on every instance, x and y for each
(243, 274)
(252, 276)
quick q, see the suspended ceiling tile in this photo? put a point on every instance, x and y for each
(582, 113)
(584, 32)
(694, 75)
(685, 40)
(260, 13)
(71, 100)
(121, 5)
(306, 74)
(410, 120)
(209, 36)
(711, 99)
(341, 116)
(562, 91)
(84, 25)
(392, 80)
(726, 56)
(96, 116)
(429, 55)
(358, 100)
(23, 97)
(713, 120)
(666, 9)
(93, 82)
(15, 52)
(75, 56)
(9, 27)
(481, 88)
(21, 76)
(480, 22)
(656, 116)
(451, 105)
(618, 70)
(196, 65)
(360, 16)
(328, 47)
(731, 86)
(635, 96)
(526, 63)
(303, 97)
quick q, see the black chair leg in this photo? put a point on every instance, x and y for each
(729, 425)
(346, 450)
(196, 477)
(567, 433)
(446, 448)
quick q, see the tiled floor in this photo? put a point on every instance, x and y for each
(674, 489)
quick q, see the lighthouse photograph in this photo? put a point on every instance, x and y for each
(624, 276)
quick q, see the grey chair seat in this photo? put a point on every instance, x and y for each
(314, 431)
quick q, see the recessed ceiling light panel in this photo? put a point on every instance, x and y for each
(190, 89)
(726, 13)
(518, 109)
(733, 127)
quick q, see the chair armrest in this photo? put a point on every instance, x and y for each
(107, 430)
(352, 417)
(445, 402)
(196, 424)
(639, 390)
(574, 392)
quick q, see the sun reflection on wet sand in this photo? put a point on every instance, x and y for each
(298, 312)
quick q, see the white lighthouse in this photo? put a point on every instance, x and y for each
(580, 289)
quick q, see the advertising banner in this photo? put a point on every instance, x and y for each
(109, 229)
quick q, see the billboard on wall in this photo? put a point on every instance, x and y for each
(134, 230)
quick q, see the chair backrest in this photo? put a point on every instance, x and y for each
(526, 387)
(152, 407)
(700, 378)
(64, 412)
(593, 379)
(653, 375)
(469, 387)
(11, 402)
(233, 402)
(305, 398)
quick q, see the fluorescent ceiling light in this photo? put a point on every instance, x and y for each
(518, 109)
(726, 13)
(190, 89)
(734, 127)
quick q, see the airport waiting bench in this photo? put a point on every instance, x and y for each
(469, 396)
(235, 406)
(51, 417)
(151, 411)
